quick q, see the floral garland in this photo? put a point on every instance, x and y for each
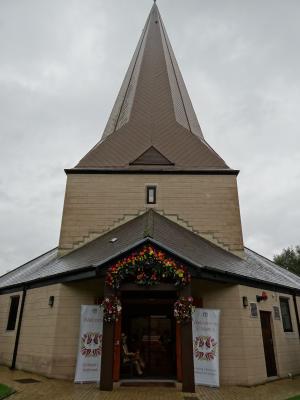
(183, 309)
(111, 309)
(147, 267)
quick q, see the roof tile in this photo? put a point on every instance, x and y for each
(152, 226)
(153, 108)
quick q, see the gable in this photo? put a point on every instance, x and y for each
(151, 157)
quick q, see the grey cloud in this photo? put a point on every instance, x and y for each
(61, 66)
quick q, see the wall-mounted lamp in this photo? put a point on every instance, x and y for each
(51, 301)
(245, 301)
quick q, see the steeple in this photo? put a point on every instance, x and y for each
(153, 114)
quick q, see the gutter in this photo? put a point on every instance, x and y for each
(15, 353)
(161, 171)
(48, 280)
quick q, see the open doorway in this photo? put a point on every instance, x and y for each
(149, 329)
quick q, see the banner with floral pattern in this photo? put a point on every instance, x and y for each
(206, 346)
(90, 344)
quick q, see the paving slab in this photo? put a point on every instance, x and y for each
(54, 389)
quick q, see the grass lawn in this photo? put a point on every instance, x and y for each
(5, 391)
(294, 398)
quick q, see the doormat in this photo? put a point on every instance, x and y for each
(191, 398)
(148, 384)
(26, 380)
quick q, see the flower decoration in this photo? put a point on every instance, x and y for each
(205, 348)
(183, 309)
(111, 309)
(147, 267)
(91, 344)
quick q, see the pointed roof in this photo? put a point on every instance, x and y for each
(153, 109)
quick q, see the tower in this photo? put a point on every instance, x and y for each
(152, 139)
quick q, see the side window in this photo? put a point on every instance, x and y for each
(286, 315)
(13, 312)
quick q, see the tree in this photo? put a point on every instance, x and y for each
(289, 259)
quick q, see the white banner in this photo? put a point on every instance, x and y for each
(206, 346)
(90, 345)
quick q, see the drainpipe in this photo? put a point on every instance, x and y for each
(297, 313)
(13, 364)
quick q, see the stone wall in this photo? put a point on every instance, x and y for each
(242, 359)
(224, 297)
(37, 337)
(286, 344)
(206, 204)
(7, 338)
(68, 325)
(49, 335)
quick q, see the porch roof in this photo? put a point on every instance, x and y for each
(200, 254)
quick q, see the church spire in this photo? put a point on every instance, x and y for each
(153, 111)
(154, 45)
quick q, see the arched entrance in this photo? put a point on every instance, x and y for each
(147, 284)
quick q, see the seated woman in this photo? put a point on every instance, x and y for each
(133, 357)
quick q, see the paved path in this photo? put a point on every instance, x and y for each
(52, 389)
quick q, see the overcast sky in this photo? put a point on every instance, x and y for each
(62, 63)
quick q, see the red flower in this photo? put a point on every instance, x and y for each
(165, 267)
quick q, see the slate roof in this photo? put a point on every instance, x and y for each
(198, 252)
(153, 109)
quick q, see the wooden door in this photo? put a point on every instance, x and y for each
(265, 319)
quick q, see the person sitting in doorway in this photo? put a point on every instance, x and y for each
(166, 340)
(134, 357)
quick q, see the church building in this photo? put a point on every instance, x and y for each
(151, 220)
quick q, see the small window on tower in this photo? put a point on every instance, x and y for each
(13, 312)
(151, 194)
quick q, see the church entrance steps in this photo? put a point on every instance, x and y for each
(147, 383)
